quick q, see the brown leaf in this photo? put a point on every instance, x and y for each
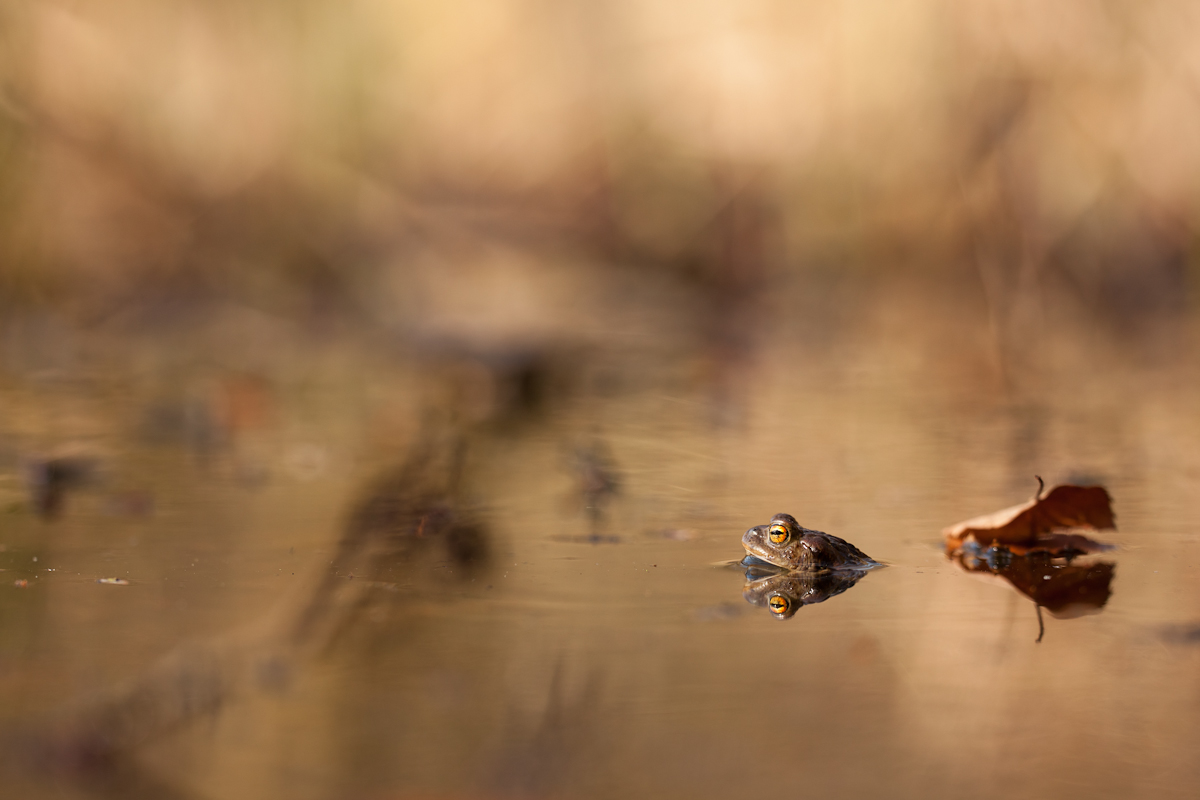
(1060, 544)
(1031, 523)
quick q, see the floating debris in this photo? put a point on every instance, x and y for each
(113, 581)
(1040, 523)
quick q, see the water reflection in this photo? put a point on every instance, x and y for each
(595, 474)
(784, 592)
(1055, 581)
(51, 479)
(539, 755)
(407, 525)
(463, 698)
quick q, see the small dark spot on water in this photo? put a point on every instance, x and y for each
(1182, 634)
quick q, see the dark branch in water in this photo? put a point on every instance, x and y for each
(1041, 625)
(1041, 487)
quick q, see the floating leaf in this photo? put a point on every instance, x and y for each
(113, 581)
(1038, 524)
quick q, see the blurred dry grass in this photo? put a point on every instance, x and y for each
(299, 156)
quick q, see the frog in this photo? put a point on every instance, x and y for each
(784, 592)
(786, 543)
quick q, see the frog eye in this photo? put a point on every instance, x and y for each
(778, 604)
(778, 534)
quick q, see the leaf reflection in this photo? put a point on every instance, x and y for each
(1051, 579)
(1033, 547)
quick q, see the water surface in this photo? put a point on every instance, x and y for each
(605, 652)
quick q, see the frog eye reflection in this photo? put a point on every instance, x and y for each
(778, 604)
(778, 534)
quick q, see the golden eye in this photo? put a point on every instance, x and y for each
(778, 604)
(778, 534)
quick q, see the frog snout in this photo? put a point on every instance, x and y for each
(752, 535)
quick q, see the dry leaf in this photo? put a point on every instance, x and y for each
(1060, 544)
(1037, 524)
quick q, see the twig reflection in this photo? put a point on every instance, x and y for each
(407, 514)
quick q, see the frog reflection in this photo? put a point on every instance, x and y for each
(784, 592)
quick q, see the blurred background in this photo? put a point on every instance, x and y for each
(317, 162)
(654, 271)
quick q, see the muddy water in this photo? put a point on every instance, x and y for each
(602, 652)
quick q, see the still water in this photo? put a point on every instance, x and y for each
(593, 640)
